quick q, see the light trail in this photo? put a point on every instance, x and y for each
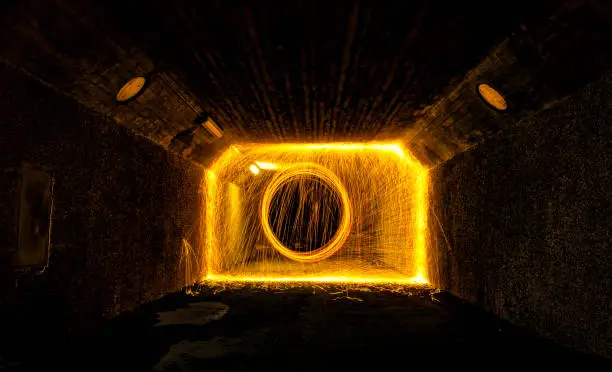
(338, 212)
(298, 171)
(264, 165)
(317, 279)
(253, 168)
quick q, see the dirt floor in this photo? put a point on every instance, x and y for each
(305, 328)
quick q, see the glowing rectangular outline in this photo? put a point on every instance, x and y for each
(420, 213)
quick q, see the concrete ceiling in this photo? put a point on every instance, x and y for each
(309, 71)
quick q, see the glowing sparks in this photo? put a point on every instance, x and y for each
(235, 216)
(253, 168)
(381, 229)
(211, 194)
(324, 174)
(419, 279)
(340, 146)
(267, 166)
(421, 225)
(318, 279)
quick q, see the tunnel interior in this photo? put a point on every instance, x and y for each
(234, 185)
(316, 212)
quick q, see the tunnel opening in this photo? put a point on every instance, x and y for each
(337, 212)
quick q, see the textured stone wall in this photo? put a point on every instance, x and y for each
(537, 66)
(522, 222)
(122, 209)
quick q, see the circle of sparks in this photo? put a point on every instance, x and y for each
(326, 176)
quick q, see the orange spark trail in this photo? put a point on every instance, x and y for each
(338, 212)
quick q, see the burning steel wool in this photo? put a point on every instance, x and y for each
(338, 212)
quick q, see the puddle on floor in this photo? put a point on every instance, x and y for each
(198, 313)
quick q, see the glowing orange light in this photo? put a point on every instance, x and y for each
(382, 230)
(332, 180)
(253, 168)
(265, 165)
(211, 194)
(213, 128)
(131, 89)
(492, 97)
(421, 226)
(319, 279)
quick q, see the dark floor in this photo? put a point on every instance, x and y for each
(307, 328)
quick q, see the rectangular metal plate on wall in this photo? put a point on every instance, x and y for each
(35, 211)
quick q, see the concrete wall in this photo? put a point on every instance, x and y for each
(122, 209)
(522, 222)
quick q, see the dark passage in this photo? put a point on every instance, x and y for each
(308, 329)
(113, 115)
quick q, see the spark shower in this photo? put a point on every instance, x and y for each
(346, 212)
